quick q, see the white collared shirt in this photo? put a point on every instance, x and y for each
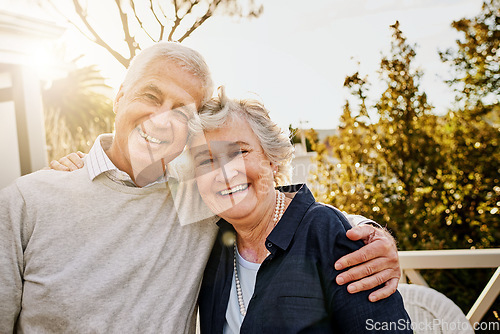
(98, 163)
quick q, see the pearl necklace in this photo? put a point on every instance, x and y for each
(278, 212)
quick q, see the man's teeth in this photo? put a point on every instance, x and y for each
(241, 187)
(149, 138)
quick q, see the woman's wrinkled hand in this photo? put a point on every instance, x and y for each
(71, 162)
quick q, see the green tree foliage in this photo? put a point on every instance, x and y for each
(407, 146)
(433, 179)
(347, 162)
(387, 169)
(475, 62)
(413, 166)
(472, 136)
(77, 109)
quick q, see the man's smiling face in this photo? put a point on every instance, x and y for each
(152, 116)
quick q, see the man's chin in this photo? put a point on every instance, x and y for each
(145, 174)
(148, 168)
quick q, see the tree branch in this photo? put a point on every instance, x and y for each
(129, 39)
(140, 22)
(162, 11)
(201, 20)
(188, 11)
(162, 26)
(71, 22)
(97, 38)
(182, 9)
(177, 20)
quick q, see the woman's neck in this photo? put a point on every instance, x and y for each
(251, 243)
(251, 237)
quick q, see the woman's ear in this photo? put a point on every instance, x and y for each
(274, 168)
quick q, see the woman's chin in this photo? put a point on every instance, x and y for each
(232, 212)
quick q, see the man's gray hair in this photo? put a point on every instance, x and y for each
(273, 140)
(179, 54)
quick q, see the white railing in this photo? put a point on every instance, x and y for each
(412, 261)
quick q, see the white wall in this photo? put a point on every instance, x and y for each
(302, 165)
(11, 167)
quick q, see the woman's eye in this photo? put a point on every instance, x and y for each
(181, 115)
(205, 162)
(242, 152)
(237, 153)
(234, 154)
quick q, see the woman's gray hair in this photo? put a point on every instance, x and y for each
(179, 54)
(273, 140)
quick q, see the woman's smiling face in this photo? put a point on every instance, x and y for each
(234, 175)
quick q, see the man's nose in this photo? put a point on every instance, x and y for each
(163, 117)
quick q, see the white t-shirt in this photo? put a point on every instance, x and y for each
(247, 273)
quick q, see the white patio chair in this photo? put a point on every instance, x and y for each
(431, 312)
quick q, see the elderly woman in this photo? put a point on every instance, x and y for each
(271, 270)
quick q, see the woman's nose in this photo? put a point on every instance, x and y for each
(227, 171)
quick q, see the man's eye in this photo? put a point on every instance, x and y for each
(152, 98)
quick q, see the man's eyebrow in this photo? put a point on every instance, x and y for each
(151, 88)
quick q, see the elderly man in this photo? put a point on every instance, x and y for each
(102, 249)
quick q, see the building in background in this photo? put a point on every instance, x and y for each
(22, 135)
(303, 164)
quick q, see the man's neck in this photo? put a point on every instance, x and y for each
(144, 176)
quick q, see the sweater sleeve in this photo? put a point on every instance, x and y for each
(356, 220)
(12, 216)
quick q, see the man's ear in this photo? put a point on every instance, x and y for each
(118, 96)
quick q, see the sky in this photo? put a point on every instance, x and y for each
(296, 55)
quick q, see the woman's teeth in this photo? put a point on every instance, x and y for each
(149, 138)
(233, 190)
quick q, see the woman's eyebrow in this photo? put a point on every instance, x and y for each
(202, 153)
(200, 150)
(241, 143)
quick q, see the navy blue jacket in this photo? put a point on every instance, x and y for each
(295, 289)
